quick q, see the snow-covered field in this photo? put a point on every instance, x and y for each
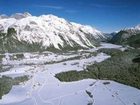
(109, 46)
(44, 89)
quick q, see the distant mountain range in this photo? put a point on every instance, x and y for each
(45, 32)
(129, 36)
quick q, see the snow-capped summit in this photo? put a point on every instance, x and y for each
(20, 15)
(50, 30)
(137, 27)
(3, 16)
(128, 36)
(132, 30)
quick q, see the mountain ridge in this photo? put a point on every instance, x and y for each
(50, 30)
(128, 36)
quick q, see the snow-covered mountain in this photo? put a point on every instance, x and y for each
(128, 36)
(109, 36)
(50, 31)
(132, 30)
(136, 28)
(128, 32)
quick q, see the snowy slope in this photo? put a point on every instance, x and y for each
(50, 30)
(45, 89)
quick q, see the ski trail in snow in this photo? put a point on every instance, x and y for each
(115, 95)
(37, 99)
(79, 91)
(35, 103)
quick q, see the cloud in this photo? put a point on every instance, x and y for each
(50, 6)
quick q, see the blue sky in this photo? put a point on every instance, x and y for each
(105, 15)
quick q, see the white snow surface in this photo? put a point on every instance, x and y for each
(50, 30)
(107, 46)
(44, 89)
(32, 59)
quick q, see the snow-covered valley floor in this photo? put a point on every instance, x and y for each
(44, 89)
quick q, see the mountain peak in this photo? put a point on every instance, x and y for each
(27, 14)
(3, 16)
(20, 15)
(137, 27)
